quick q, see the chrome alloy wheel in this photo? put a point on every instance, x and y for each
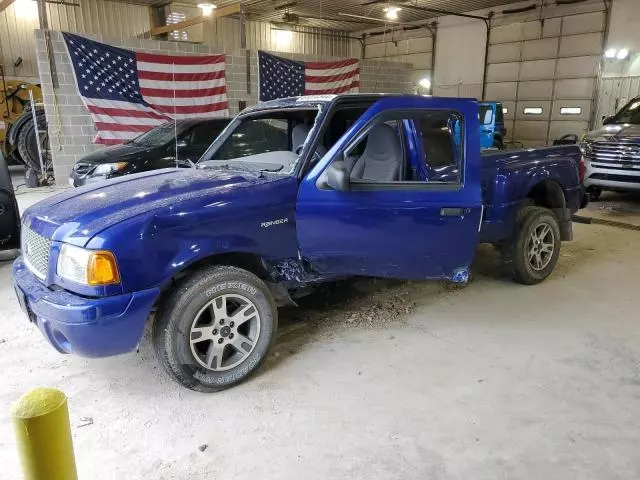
(224, 332)
(540, 246)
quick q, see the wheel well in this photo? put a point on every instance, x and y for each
(548, 194)
(247, 261)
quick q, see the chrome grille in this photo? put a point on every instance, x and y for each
(83, 168)
(621, 154)
(35, 251)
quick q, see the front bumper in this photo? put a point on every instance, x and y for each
(608, 177)
(89, 327)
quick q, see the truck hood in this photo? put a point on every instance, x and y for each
(623, 132)
(78, 214)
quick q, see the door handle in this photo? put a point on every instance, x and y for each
(452, 212)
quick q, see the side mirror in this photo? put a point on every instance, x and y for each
(338, 176)
(607, 120)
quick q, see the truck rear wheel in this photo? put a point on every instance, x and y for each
(535, 248)
(215, 328)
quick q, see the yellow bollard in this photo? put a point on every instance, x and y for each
(41, 422)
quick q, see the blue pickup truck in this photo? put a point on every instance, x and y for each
(293, 193)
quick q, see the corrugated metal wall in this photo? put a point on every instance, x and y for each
(122, 20)
(224, 33)
(615, 93)
(114, 19)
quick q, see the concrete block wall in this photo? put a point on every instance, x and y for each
(408, 46)
(71, 130)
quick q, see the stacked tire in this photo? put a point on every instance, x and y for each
(24, 141)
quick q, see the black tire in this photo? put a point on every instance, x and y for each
(172, 328)
(594, 193)
(27, 141)
(28, 147)
(498, 143)
(529, 219)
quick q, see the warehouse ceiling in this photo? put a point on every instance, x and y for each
(348, 15)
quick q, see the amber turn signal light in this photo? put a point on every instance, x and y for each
(103, 269)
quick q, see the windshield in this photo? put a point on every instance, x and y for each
(265, 141)
(160, 135)
(630, 113)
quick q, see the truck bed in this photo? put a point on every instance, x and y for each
(510, 176)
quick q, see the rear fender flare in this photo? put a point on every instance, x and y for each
(549, 194)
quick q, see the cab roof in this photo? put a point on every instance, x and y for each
(316, 100)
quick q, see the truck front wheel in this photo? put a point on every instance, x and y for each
(535, 248)
(215, 328)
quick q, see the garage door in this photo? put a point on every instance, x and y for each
(615, 93)
(545, 74)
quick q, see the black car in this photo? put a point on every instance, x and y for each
(9, 215)
(150, 151)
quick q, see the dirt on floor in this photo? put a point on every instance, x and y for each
(378, 379)
(616, 207)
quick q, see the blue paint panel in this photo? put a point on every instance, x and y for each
(170, 219)
(398, 233)
(509, 176)
(89, 327)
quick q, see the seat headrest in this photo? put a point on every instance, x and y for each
(382, 143)
(298, 136)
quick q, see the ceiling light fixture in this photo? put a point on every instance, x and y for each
(391, 12)
(207, 8)
(425, 83)
(610, 53)
(26, 9)
(622, 54)
(282, 38)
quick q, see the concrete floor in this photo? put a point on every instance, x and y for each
(380, 380)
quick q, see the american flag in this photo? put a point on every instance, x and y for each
(281, 77)
(129, 93)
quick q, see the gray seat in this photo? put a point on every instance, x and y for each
(382, 157)
(299, 135)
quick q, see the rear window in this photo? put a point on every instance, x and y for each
(486, 114)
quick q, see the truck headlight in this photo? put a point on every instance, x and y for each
(586, 148)
(89, 267)
(109, 168)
